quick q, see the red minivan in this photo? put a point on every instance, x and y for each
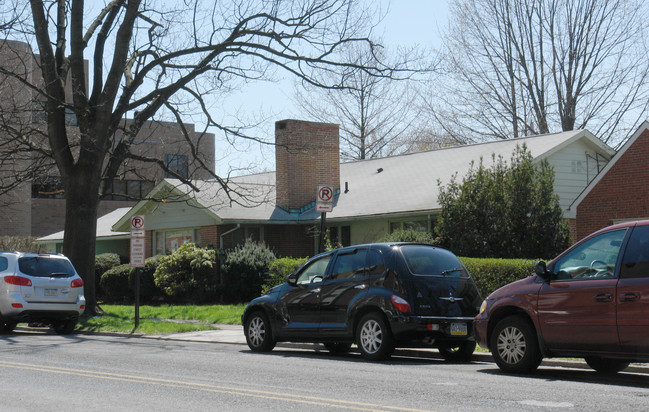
(592, 301)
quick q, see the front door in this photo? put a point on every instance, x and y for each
(300, 305)
(577, 308)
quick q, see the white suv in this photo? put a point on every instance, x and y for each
(39, 288)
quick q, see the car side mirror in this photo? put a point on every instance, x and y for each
(292, 279)
(541, 270)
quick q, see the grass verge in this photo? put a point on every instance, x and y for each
(161, 319)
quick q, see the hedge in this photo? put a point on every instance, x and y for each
(491, 274)
(279, 269)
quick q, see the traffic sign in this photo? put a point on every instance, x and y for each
(137, 252)
(325, 199)
(137, 226)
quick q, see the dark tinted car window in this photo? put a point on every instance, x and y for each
(636, 257)
(350, 265)
(427, 260)
(376, 263)
(4, 264)
(42, 266)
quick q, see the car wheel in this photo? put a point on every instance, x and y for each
(606, 365)
(457, 351)
(338, 348)
(374, 338)
(258, 333)
(65, 327)
(514, 346)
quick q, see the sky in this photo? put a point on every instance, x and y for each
(407, 23)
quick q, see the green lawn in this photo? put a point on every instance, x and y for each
(162, 319)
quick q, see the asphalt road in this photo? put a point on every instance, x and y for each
(113, 373)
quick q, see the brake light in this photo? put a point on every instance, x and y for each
(17, 305)
(18, 280)
(400, 303)
(77, 283)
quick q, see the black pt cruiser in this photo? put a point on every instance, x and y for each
(378, 296)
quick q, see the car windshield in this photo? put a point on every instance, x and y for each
(45, 266)
(430, 261)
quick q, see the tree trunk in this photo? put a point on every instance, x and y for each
(82, 200)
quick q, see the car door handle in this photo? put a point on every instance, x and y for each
(316, 290)
(629, 297)
(361, 286)
(604, 297)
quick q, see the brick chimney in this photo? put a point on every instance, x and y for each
(306, 155)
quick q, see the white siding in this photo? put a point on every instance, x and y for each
(574, 167)
(176, 216)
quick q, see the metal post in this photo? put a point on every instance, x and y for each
(137, 297)
(323, 220)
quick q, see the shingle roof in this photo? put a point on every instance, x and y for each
(104, 227)
(391, 185)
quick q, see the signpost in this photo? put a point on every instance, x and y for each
(137, 258)
(324, 203)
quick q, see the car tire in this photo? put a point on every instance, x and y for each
(338, 348)
(258, 333)
(65, 327)
(374, 338)
(514, 346)
(7, 326)
(457, 351)
(606, 366)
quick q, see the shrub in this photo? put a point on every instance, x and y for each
(115, 285)
(491, 274)
(409, 235)
(279, 269)
(188, 274)
(148, 289)
(19, 243)
(244, 271)
(103, 262)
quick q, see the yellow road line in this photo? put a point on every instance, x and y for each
(303, 399)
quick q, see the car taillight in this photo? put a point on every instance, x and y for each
(400, 303)
(77, 283)
(18, 280)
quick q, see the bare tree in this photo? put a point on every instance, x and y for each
(155, 56)
(518, 68)
(374, 113)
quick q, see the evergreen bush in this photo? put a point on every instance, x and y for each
(188, 274)
(115, 285)
(490, 274)
(244, 271)
(279, 269)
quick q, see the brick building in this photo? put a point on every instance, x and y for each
(621, 192)
(35, 205)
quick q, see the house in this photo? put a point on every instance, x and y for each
(372, 197)
(621, 192)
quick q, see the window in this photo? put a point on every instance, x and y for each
(178, 164)
(350, 265)
(636, 257)
(42, 266)
(376, 264)
(314, 272)
(594, 258)
(429, 261)
(339, 235)
(416, 225)
(170, 240)
(4, 264)
(128, 189)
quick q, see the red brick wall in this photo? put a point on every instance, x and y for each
(306, 155)
(623, 193)
(209, 237)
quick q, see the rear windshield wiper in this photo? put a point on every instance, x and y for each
(446, 272)
(60, 275)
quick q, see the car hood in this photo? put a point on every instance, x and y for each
(526, 285)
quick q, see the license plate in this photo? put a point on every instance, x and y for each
(51, 292)
(458, 329)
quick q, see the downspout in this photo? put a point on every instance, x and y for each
(228, 232)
